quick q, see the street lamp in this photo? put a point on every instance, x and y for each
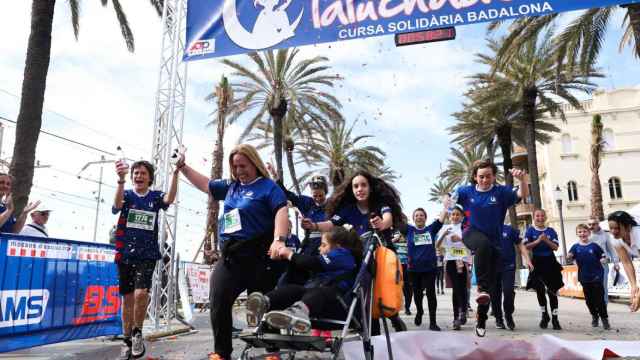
(101, 162)
(557, 196)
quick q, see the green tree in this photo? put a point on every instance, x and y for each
(34, 83)
(335, 151)
(538, 81)
(440, 189)
(285, 91)
(459, 169)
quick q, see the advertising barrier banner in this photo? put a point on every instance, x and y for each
(54, 290)
(228, 27)
(198, 279)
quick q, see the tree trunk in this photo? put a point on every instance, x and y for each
(597, 210)
(292, 169)
(504, 140)
(277, 114)
(529, 117)
(634, 19)
(32, 100)
(211, 230)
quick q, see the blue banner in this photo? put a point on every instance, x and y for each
(54, 290)
(228, 27)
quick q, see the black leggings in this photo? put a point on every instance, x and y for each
(440, 278)
(421, 282)
(459, 286)
(317, 299)
(594, 297)
(541, 290)
(227, 281)
(406, 288)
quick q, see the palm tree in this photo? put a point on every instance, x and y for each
(581, 41)
(596, 154)
(440, 189)
(225, 107)
(284, 90)
(537, 80)
(34, 83)
(338, 153)
(460, 166)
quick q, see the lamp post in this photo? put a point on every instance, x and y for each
(101, 162)
(557, 196)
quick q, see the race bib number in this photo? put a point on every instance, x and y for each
(232, 221)
(141, 219)
(458, 252)
(422, 239)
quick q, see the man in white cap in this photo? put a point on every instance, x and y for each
(37, 227)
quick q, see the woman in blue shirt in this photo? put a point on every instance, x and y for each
(423, 263)
(365, 202)
(546, 276)
(255, 219)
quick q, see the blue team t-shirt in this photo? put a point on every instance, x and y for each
(588, 258)
(541, 249)
(487, 209)
(421, 251)
(350, 214)
(7, 227)
(292, 242)
(308, 207)
(137, 228)
(509, 238)
(256, 203)
(338, 261)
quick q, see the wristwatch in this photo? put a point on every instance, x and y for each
(280, 238)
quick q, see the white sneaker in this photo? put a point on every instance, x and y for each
(125, 352)
(137, 346)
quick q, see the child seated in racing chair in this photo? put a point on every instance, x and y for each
(290, 306)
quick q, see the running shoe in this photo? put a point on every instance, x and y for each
(555, 323)
(294, 317)
(500, 324)
(481, 328)
(125, 352)
(418, 319)
(544, 322)
(137, 345)
(434, 327)
(605, 324)
(456, 324)
(594, 321)
(510, 323)
(257, 305)
(463, 317)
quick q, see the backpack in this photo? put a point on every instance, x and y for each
(387, 289)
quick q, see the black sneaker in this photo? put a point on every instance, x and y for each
(418, 319)
(605, 324)
(544, 322)
(555, 323)
(434, 327)
(407, 312)
(594, 321)
(456, 324)
(481, 326)
(137, 345)
(463, 317)
(500, 324)
(510, 324)
(398, 324)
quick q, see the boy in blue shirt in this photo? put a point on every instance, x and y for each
(486, 204)
(589, 258)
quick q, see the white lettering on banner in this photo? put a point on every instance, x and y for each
(347, 13)
(90, 253)
(39, 250)
(22, 307)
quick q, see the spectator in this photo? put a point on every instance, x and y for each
(37, 227)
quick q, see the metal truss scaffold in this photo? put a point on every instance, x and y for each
(167, 136)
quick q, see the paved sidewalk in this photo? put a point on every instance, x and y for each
(574, 318)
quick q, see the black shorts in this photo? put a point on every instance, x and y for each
(136, 275)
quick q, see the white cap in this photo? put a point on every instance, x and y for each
(43, 207)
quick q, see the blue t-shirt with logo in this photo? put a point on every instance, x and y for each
(292, 242)
(313, 211)
(510, 237)
(401, 252)
(256, 204)
(421, 247)
(7, 227)
(137, 228)
(337, 262)
(487, 209)
(351, 215)
(542, 249)
(588, 257)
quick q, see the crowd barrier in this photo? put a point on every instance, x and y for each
(55, 290)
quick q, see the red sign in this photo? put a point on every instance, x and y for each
(100, 302)
(425, 36)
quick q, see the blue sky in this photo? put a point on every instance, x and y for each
(100, 94)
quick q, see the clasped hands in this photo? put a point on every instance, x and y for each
(279, 251)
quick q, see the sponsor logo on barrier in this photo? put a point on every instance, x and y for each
(96, 254)
(22, 307)
(100, 303)
(39, 250)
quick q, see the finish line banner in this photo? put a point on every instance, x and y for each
(54, 290)
(228, 27)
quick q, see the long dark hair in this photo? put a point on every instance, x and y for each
(380, 194)
(347, 239)
(623, 218)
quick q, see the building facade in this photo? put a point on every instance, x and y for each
(564, 163)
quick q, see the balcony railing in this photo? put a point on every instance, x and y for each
(524, 209)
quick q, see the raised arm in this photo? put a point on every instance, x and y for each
(523, 191)
(121, 170)
(170, 197)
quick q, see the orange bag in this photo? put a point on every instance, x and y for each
(387, 288)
